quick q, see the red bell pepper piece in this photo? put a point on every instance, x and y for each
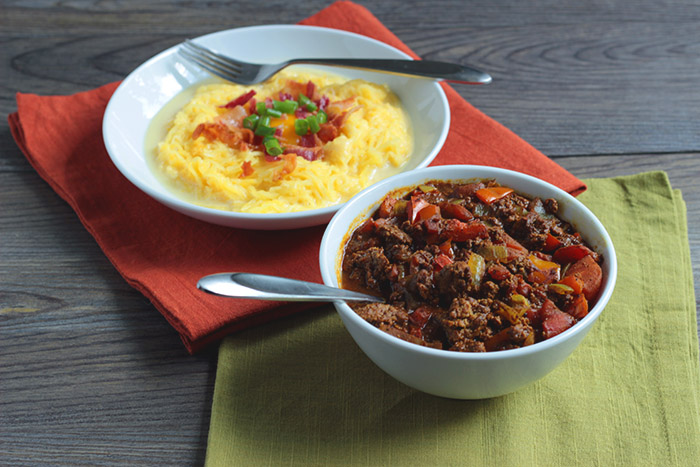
(456, 211)
(428, 212)
(420, 316)
(571, 253)
(551, 243)
(417, 204)
(491, 194)
(460, 231)
(441, 261)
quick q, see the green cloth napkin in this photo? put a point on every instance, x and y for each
(300, 392)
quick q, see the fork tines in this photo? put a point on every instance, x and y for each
(210, 61)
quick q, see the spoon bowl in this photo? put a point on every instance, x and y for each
(264, 287)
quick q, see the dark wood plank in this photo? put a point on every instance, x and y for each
(89, 370)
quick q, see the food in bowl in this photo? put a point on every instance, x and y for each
(302, 140)
(471, 267)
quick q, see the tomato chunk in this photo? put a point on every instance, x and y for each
(578, 307)
(589, 273)
(387, 206)
(554, 321)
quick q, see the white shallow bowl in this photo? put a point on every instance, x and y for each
(153, 84)
(455, 374)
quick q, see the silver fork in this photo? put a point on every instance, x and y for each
(252, 73)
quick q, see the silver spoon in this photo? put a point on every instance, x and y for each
(262, 287)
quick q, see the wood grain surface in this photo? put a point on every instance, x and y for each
(90, 373)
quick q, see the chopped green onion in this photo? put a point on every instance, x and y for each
(274, 113)
(275, 151)
(313, 123)
(250, 121)
(272, 146)
(261, 108)
(264, 120)
(288, 106)
(263, 130)
(306, 102)
(303, 100)
(301, 126)
(322, 117)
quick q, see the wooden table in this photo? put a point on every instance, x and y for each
(96, 375)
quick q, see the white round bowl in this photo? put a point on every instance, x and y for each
(153, 84)
(453, 374)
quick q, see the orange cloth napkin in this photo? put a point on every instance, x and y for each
(163, 253)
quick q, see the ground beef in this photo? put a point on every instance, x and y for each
(477, 280)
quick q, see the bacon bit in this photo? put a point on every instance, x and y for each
(198, 131)
(328, 132)
(294, 88)
(252, 106)
(311, 90)
(338, 107)
(290, 163)
(233, 117)
(247, 168)
(301, 112)
(285, 96)
(240, 100)
(310, 154)
(310, 141)
(339, 120)
(230, 136)
(323, 102)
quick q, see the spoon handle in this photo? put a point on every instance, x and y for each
(262, 287)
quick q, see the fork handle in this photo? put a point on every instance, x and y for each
(415, 68)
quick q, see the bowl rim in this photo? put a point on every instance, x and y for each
(372, 195)
(173, 201)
